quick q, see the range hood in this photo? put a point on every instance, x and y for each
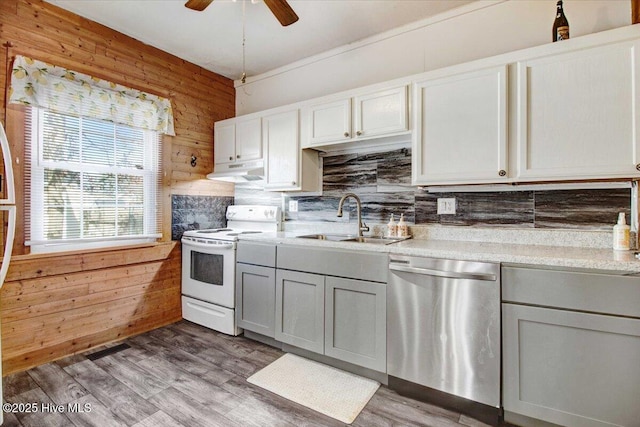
(239, 172)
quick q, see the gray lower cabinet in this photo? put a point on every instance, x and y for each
(300, 309)
(563, 363)
(256, 298)
(355, 322)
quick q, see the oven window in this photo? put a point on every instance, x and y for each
(207, 268)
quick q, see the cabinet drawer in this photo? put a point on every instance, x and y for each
(257, 253)
(334, 262)
(573, 290)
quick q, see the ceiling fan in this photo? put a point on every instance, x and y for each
(280, 8)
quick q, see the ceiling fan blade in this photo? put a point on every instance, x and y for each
(198, 5)
(282, 11)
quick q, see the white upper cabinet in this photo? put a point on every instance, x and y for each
(359, 117)
(460, 131)
(237, 140)
(288, 167)
(224, 150)
(330, 122)
(248, 140)
(578, 114)
(559, 112)
(381, 113)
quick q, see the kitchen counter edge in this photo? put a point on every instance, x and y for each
(602, 260)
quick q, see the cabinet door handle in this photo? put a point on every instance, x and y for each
(346, 134)
(359, 133)
(502, 172)
(230, 158)
(293, 183)
(638, 166)
(238, 156)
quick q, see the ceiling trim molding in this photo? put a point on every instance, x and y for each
(463, 10)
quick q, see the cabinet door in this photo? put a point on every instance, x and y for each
(355, 322)
(300, 309)
(381, 113)
(224, 146)
(249, 140)
(256, 298)
(571, 368)
(577, 114)
(328, 122)
(461, 129)
(280, 134)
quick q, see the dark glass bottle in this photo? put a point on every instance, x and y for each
(560, 25)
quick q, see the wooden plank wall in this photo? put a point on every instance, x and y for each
(53, 306)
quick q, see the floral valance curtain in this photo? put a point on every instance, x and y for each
(39, 84)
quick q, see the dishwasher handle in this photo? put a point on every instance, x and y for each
(440, 273)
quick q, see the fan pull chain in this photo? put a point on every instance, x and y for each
(244, 74)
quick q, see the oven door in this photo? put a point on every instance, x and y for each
(208, 271)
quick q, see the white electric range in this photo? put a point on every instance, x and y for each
(209, 265)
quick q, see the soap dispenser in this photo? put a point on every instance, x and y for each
(392, 228)
(403, 229)
(621, 234)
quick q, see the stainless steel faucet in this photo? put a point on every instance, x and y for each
(361, 225)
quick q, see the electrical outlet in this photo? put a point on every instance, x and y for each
(293, 206)
(447, 206)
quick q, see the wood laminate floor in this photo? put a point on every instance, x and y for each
(184, 375)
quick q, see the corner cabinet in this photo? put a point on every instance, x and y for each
(461, 128)
(287, 166)
(360, 117)
(237, 141)
(578, 114)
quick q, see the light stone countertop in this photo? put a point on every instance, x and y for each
(599, 259)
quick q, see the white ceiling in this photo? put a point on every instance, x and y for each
(213, 38)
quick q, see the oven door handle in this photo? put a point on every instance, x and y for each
(207, 246)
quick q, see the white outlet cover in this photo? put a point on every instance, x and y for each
(293, 206)
(446, 206)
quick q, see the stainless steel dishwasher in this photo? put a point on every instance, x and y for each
(443, 329)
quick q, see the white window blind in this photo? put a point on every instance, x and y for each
(90, 182)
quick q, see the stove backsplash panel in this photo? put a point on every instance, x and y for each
(197, 213)
(383, 183)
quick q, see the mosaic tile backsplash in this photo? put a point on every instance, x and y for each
(383, 182)
(197, 212)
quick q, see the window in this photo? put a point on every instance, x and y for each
(92, 183)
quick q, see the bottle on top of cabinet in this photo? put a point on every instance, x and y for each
(560, 25)
(621, 234)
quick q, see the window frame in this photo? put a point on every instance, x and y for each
(150, 173)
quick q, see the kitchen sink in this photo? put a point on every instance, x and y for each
(331, 237)
(376, 239)
(352, 238)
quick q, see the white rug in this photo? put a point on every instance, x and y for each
(330, 391)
